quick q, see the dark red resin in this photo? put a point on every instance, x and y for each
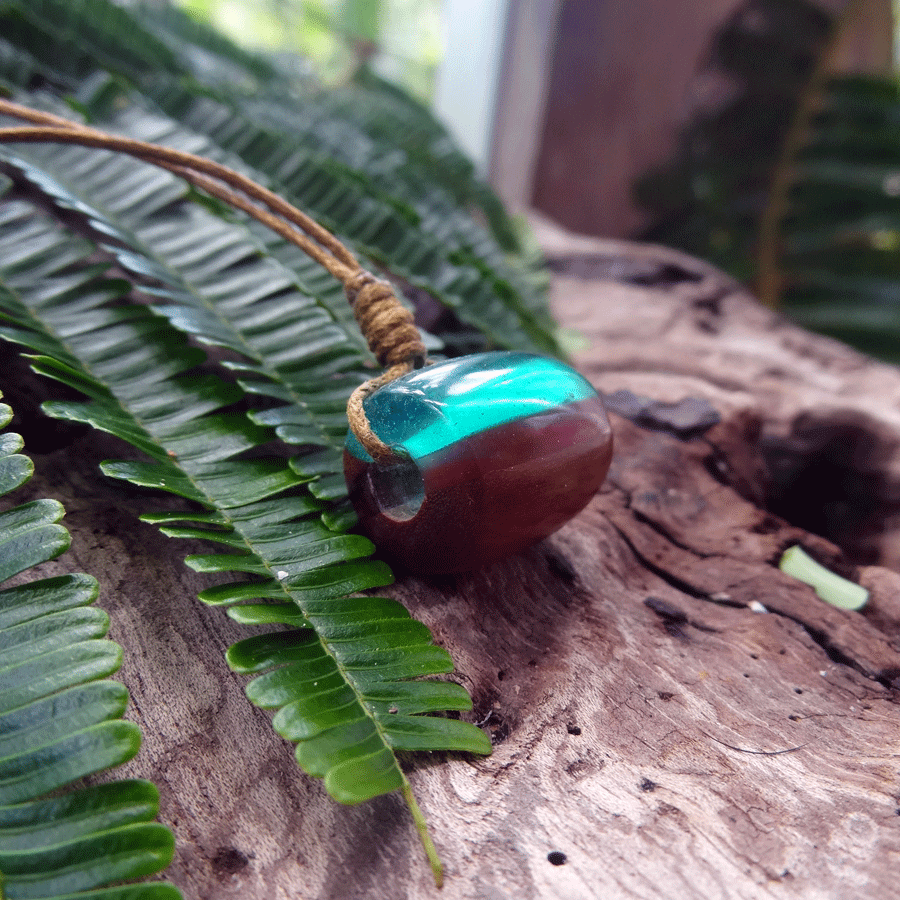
(494, 493)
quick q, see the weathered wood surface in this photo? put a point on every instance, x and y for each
(649, 725)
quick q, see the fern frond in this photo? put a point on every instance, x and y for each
(368, 649)
(73, 40)
(329, 168)
(211, 282)
(350, 679)
(824, 151)
(60, 720)
(377, 194)
(368, 115)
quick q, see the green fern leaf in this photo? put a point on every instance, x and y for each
(60, 720)
(822, 221)
(428, 242)
(372, 650)
(224, 293)
(404, 204)
(74, 39)
(352, 679)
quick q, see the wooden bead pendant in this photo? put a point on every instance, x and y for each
(493, 452)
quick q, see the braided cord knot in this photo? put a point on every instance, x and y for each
(386, 324)
(390, 331)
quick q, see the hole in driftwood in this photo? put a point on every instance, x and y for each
(497, 726)
(229, 860)
(829, 477)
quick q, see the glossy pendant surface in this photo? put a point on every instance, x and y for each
(495, 451)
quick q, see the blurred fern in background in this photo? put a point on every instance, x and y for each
(793, 183)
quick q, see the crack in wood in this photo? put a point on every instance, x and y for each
(669, 578)
(890, 679)
(664, 533)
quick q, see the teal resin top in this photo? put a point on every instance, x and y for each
(439, 405)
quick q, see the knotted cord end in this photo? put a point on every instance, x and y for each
(387, 326)
(390, 331)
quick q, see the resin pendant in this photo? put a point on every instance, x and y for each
(495, 451)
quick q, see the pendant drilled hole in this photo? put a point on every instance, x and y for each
(398, 489)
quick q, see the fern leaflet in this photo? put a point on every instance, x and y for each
(60, 720)
(344, 679)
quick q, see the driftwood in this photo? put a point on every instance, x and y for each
(673, 717)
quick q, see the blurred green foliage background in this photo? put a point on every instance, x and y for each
(402, 36)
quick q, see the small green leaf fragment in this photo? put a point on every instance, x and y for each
(298, 681)
(29, 601)
(55, 671)
(28, 515)
(41, 723)
(340, 518)
(240, 482)
(314, 713)
(268, 614)
(337, 745)
(263, 651)
(100, 807)
(330, 487)
(90, 862)
(831, 588)
(236, 591)
(226, 562)
(321, 462)
(14, 471)
(433, 733)
(210, 517)
(10, 442)
(94, 749)
(362, 778)
(21, 551)
(414, 697)
(337, 580)
(152, 475)
(218, 536)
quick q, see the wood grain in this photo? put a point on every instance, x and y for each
(649, 725)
